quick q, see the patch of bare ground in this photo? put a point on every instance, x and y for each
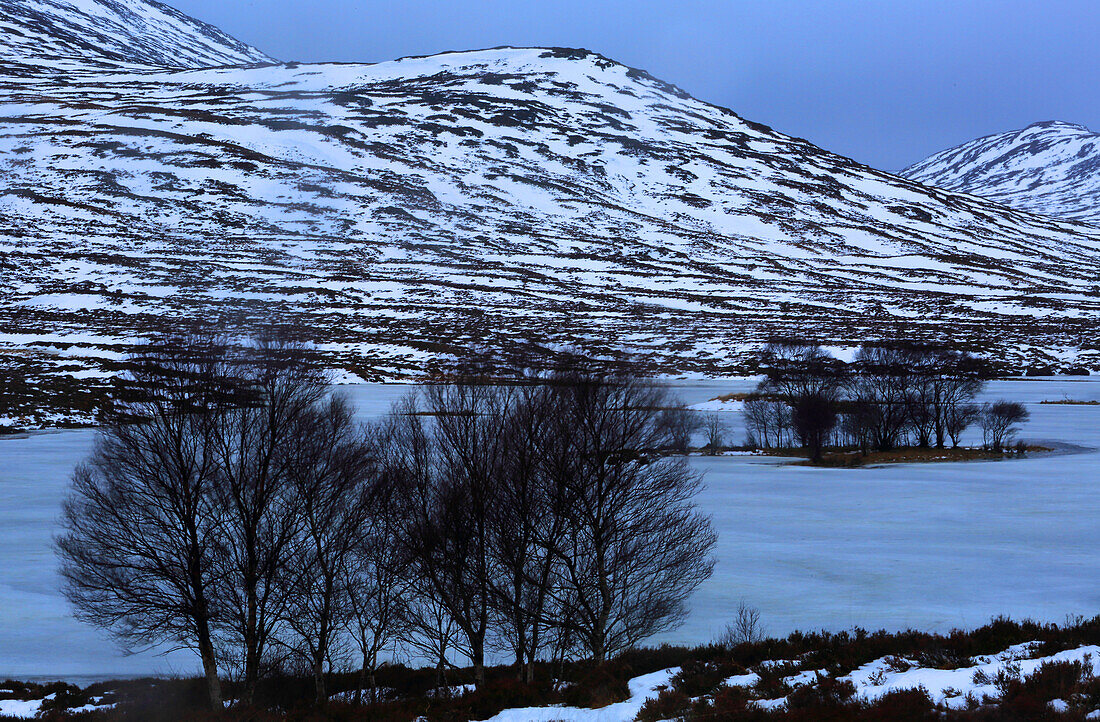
(855, 458)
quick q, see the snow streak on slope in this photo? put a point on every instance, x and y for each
(1051, 168)
(54, 33)
(403, 213)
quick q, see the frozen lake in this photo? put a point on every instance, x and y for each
(930, 546)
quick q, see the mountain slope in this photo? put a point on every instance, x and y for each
(1051, 168)
(57, 33)
(508, 201)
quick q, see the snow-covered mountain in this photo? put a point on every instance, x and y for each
(63, 33)
(1051, 168)
(403, 213)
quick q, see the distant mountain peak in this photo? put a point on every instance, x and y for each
(104, 33)
(1051, 167)
(1057, 124)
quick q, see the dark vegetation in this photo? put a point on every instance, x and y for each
(890, 397)
(696, 692)
(233, 506)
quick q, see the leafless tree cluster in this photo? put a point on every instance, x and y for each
(220, 508)
(543, 518)
(887, 397)
(235, 507)
(1000, 421)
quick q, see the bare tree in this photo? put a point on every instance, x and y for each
(958, 378)
(745, 627)
(768, 420)
(452, 493)
(813, 416)
(881, 383)
(330, 469)
(958, 418)
(809, 381)
(528, 513)
(634, 547)
(140, 534)
(857, 424)
(795, 369)
(1000, 421)
(714, 426)
(429, 630)
(681, 423)
(377, 581)
(407, 457)
(259, 507)
(921, 398)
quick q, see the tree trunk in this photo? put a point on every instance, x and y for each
(531, 652)
(478, 660)
(251, 675)
(210, 668)
(598, 639)
(251, 651)
(360, 681)
(319, 680)
(521, 647)
(319, 666)
(598, 653)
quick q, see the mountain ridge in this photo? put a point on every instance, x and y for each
(62, 34)
(509, 202)
(1048, 167)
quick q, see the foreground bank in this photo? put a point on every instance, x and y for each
(1004, 670)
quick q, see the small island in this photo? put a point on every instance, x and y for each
(892, 403)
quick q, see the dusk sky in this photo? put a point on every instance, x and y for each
(882, 81)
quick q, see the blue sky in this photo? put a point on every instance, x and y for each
(886, 82)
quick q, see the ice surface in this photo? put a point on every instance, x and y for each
(930, 546)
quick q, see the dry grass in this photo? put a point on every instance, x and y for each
(724, 398)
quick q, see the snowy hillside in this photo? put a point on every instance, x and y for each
(54, 33)
(1051, 168)
(403, 213)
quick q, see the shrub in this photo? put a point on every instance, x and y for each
(601, 686)
(697, 677)
(1053, 680)
(500, 694)
(730, 700)
(908, 705)
(827, 692)
(669, 704)
(771, 684)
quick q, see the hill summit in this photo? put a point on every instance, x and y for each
(1051, 168)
